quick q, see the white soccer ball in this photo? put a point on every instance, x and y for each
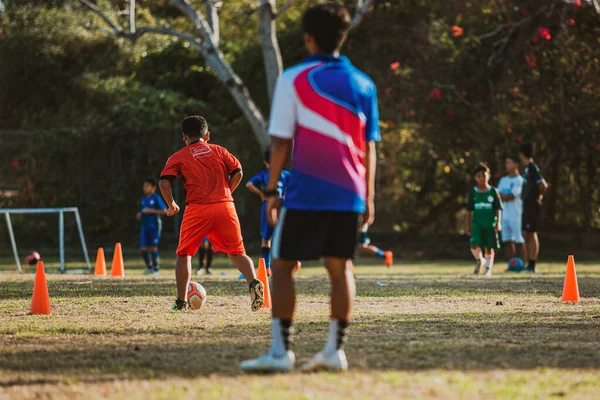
(196, 296)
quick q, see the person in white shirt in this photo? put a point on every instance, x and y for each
(510, 188)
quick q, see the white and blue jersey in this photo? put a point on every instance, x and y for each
(151, 223)
(261, 180)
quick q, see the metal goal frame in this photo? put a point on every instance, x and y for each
(61, 231)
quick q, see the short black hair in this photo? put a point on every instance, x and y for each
(195, 126)
(150, 181)
(267, 155)
(482, 167)
(527, 149)
(328, 23)
(513, 158)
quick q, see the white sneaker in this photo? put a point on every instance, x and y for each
(269, 363)
(148, 271)
(333, 362)
(488, 273)
(156, 272)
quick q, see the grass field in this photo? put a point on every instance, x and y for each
(420, 330)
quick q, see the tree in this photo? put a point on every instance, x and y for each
(206, 42)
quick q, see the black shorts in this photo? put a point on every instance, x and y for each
(309, 235)
(531, 217)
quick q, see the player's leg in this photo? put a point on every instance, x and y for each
(194, 227)
(155, 259)
(476, 243)
(489, 260)
(183, 273)
(298, 235)
(530, 225)
(339, 251)
(201, 255)
(144, 243)
(508, 238)
(209, 257)
(226, 237)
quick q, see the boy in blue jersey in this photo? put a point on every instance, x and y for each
(257, 185)
(153, 206)
(325, 111)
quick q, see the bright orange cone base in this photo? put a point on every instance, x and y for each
(118, 268)
(40, 302)
(100, 263)
(570, 288)
(262, 276)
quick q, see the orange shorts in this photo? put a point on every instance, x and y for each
(219, 222)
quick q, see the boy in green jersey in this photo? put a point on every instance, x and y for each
(483, 220)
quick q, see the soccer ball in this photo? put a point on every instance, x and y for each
(32, 258)
(515, 265)
(196, 296)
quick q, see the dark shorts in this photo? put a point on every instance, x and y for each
(531, 217)
(310, 235)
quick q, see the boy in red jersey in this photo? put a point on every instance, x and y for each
(210, 174)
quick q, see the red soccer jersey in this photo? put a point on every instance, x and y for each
(205, 170)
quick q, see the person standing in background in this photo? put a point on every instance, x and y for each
(534, 188)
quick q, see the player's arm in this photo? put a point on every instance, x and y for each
(468, 222)
(499, 220)
(235, 178)
(498, 206)
(542, 184)
(282, 128)
(371, 166)
(168, 175)
(250, 186)
(507, 197)
(165, 189)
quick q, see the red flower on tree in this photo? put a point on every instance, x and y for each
(545, 33)
(519, 139)
(571, 21)
(394, 66)
(531, 60)
(436, 94)
(388, 90)
(577, 3)
(456, 31)
(15, 164)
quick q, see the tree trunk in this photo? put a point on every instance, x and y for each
(269, 44)
(213, 19)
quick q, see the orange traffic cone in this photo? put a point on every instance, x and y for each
(262, 276)
(100, 263)
(570, 288)
(40, 302)
(118, 268)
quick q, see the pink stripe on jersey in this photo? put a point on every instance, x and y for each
(327, 159)
(346, 120)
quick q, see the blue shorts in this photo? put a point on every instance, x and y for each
(150, 236)
(266, 230)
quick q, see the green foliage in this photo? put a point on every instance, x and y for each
(105, 111)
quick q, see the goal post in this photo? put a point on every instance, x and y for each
(61, 231)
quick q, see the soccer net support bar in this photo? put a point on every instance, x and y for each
(61, 231)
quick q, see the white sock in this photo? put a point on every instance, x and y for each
(477, 254)
(489, 261)
(280, 337)
(337, 336)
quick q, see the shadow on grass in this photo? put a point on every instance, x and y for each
(474, 342)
